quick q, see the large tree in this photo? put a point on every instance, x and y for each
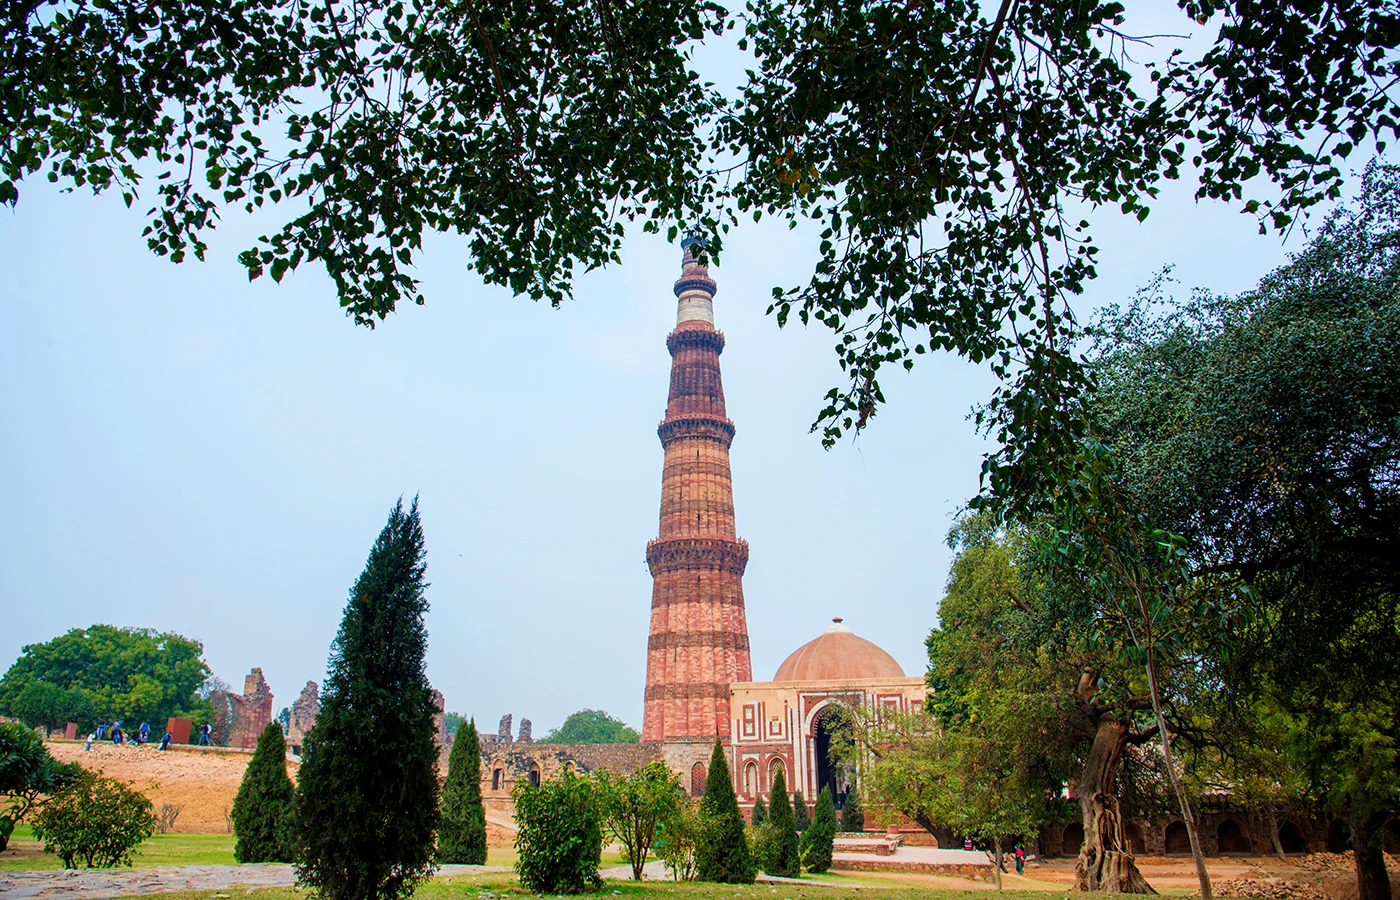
(129, 673)
(592, 726)
(1261, 434)
(461, 836)
(367, 790)
(28, 776)
(944, 150)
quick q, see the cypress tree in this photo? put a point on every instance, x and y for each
(462, 834)
(262, 809)
(783, 858)
(799, 811)
(367, 801)
(820, 836)
(760, 812)
(723, 854)
(852, 816)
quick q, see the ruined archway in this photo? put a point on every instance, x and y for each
(1230, 838)
(534, 774)
(1338, 837)
(1176, 840)
(1290, 838)
(1071, 839)
(1132, 832)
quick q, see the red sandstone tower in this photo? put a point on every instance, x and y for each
(699, 640)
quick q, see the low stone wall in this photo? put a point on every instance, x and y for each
(893, 864)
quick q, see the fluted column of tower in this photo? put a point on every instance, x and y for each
(699, 640)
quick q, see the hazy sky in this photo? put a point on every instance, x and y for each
(185, 451)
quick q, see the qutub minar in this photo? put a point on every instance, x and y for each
(699, 681)
(699, 642)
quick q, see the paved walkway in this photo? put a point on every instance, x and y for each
(93, 884)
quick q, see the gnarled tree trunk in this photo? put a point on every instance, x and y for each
(1105, 860)
(1367, 844)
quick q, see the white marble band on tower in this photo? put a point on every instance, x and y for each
(695, 290)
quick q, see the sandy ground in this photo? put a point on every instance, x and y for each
(201, 779)
(1316, 876)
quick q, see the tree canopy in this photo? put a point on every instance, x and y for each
(592, 726)
(946, 151)
(128, 673)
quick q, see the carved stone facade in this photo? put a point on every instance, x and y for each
(699, 638)
(240, 719)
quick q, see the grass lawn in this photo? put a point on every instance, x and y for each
(174, 849)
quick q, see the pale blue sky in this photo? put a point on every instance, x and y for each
(185, 451)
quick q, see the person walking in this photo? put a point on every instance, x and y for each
(165, 740)
(102, 729)
(92, 736)
(1020, 860)
(204, 734)
(117, 732)
(143, 734)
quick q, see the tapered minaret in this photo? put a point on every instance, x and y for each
(699, 640)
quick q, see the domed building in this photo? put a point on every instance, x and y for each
(787, 722)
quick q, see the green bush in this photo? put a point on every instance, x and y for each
(560, 837)
(760, 812)
(28, 776)
(461, 836)
(95, 821)
(780, 844)
(852, 815)
(263, 816)
(678, 841)
(723, 854)
(818, 839)
(636, 808)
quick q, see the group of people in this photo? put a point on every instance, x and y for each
(1019, 854)
(114, 733)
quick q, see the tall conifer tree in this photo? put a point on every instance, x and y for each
(367, 789)
(462, 834)
(819, 839)
(262, 808)
(723, 854)
(799, 811)
(852, 816)
(783, 860)
(760, 812)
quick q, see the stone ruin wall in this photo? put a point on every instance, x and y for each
(303, 716)
(240, 719)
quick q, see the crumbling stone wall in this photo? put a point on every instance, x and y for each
(303, 715)
(503, 763)
(240, 719)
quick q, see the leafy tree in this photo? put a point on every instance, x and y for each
(42, 704)
(819, 839)
(636, 809)
(453, 722)
(461, 836)
(592, 726)
(28, 776)
(1260, 431)
(284, 718)
(852, 815)
(782, 857)
(263, 814)
(799, 811)
(96, 821)
(872, 120)
(723, 851)
(126, 673)
(560, 840)
(760, 812)
(367, 791)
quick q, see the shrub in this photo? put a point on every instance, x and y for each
(723, 854)
(367, 792)
(560, 840)
(818, 839)
(95, 821)
(852, 816)
(782, 857)
(760, 812)
(461, 836)
(635, 808)
(263, 808)
(678, 841)
(28, 776)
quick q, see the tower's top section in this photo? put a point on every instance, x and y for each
(695, 289)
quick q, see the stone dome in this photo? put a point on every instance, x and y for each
(838, 655)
